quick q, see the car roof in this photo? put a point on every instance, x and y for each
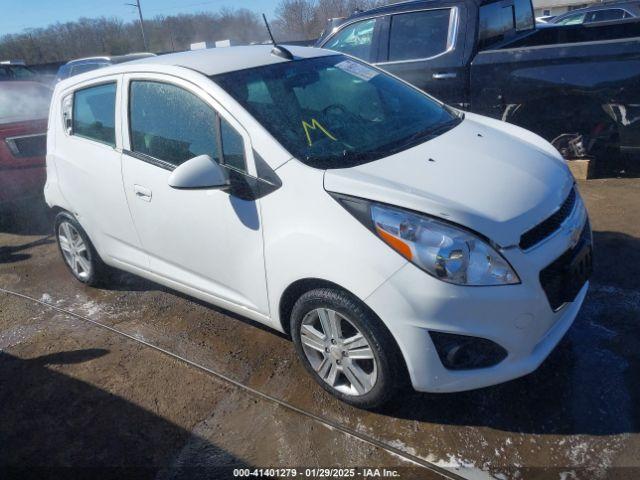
(602, 6)
(111, 58)
(213, 61)
(409, 5)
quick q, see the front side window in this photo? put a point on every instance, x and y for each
(94, 113)
(419, 35)
(356, 40)
(169, 123)
(336, 112)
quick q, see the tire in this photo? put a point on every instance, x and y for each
(79, 255)
(324, 355)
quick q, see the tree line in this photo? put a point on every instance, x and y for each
(295, 20)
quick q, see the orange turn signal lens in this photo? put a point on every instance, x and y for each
(394, 242)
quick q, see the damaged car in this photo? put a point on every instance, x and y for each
(397, 240)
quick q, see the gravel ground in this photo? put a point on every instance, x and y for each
(100, 380)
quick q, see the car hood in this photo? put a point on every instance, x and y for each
(492, 177)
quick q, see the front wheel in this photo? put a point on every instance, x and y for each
(346, 348)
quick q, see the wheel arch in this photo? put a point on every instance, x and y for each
(294, 291)
(298, 288)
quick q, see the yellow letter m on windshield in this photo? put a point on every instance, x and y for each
(315, 125)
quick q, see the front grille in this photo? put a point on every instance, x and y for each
(565, 277)
(550, 225)
(28, 145)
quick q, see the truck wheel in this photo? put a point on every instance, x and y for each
(78, 253)
(346, 348)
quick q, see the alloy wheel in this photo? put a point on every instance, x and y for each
(338, 352)
(74, 249)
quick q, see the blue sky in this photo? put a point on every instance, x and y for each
(18, 15)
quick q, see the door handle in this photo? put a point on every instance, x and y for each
(444, 75)
(142, 193)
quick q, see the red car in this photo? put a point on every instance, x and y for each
(24, 108)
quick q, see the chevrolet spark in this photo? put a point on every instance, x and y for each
(396, 239)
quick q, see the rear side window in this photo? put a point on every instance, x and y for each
(356, 40)
(170, 123)
(606, 15)
(419, 34)
(94, 113)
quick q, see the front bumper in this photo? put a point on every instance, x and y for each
(519, 317)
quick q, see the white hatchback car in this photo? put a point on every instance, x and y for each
(393, 237)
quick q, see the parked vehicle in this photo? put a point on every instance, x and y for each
(599, 12)
(576, 86)
(16, 70)
(81, 65)
(24, 107)
(392, 236)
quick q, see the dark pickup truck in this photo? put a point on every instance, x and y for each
(577, 86)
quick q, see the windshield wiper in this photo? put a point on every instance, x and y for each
(433, 131)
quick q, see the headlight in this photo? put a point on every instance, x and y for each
(445, 251)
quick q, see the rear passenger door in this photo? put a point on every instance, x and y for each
(208, 240)
(88, 165)
(423, 47)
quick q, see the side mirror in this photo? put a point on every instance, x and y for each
(199, 172)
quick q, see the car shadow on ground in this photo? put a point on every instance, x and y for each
(120, 281)
(588, 385)
(15, 253)
(55, 426)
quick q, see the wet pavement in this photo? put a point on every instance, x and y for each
(142, 377)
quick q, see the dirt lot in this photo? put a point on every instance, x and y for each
(142, 381)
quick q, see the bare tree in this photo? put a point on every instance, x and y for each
(295, 20)
(111, 36)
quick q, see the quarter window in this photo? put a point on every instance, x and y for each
(356, 40)
(419, 35)
(94, 113)
(232, 146)
(170, 123)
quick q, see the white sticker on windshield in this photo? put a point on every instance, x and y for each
(357, 70)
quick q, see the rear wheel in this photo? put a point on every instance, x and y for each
(346, 348)
(78, 252)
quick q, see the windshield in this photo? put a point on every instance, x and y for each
(335, 112)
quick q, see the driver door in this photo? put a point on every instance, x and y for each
(207, 240)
